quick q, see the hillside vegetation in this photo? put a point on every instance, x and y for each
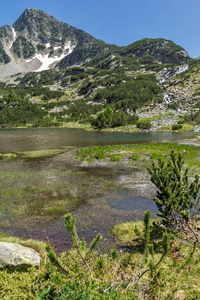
(70, 76)
(82, 94)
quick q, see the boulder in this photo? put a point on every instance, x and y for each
(14, 255)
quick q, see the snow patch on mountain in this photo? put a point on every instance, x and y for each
(14, 37)
(48, 61)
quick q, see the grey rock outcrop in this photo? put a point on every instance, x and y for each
(14, 255)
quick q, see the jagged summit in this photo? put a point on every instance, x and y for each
(38, 41)
(34, 20)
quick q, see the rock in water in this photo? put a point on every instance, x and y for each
(14, 255)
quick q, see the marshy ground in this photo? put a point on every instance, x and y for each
(101, 186)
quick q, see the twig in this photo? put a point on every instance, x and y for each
(85, 262)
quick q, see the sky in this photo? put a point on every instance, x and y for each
(121, 22)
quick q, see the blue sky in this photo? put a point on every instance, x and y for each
(121, 22)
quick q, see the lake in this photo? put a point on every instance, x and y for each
(35, 193)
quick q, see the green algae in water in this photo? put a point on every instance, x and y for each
(43, 153)
(8, 156)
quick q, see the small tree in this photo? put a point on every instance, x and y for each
(177, 199)
(79, 245)
(131, 281)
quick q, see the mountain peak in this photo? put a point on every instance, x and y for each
(38, 41)
(33, 17)
(33, 11)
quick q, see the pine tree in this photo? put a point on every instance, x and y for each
(177, 199)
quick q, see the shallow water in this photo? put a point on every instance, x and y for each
(93, 194)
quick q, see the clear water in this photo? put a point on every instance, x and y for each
(15, 140)
(96, 208)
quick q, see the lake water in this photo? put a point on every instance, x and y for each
(15, 140)
(33, 190)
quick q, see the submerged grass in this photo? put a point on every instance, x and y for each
(41, 192)
(8, 156)
(42, 153)
(52, 192)
(35, 154)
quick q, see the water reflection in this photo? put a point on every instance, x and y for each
(126, 200)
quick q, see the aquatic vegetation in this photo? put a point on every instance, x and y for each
(8, 156)
(40, 193)
(42, 153)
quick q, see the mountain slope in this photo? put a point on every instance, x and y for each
(38, 41)
(157, 50)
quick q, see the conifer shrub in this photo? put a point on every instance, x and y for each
(143, 124)
(177, 126)
(177, 198)
(99, 275)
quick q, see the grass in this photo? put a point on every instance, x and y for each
(157, 117)
(127, 128)
(180, 271)
(8, 156)
(177, 276)
(35, 154)
(140, 154)
(86, 126)
(185, 127)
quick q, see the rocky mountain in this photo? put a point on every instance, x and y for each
(38, 41)
(53, 73)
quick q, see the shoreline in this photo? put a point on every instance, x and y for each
(127, 128)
